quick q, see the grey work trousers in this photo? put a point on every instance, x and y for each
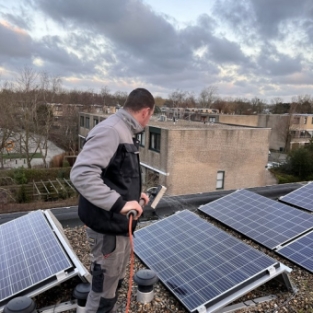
(109, 259)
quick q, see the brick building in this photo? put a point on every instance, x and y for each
(192, 157)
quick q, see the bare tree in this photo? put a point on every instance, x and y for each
(35, 116)
(207, 96)
(305, 104)
(220, 105)
(278, 106)
(242, 106)
(7, 124)
(257, 105)
(177, 98)
(120, 97)
(105, 95)
(190, 100)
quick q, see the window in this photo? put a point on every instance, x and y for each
(87, 122)
(155, 139)
(82, 121)
(220, 180)
(305, 120)
(212, 119)
(312, 121)
(141, 137)
(95, 122)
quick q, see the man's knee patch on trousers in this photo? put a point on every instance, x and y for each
(106, 305)
(97, 278)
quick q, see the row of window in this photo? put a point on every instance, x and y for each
(154, 134)
(296, 120)
(154, 139)
(85, 121)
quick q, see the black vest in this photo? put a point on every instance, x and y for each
(124, 176)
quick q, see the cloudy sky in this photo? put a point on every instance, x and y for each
(245, 48)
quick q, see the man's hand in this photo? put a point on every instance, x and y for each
(132, 205)
(144, 198)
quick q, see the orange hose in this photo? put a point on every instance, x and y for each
(132, 261)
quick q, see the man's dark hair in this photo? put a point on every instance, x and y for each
(138, 99)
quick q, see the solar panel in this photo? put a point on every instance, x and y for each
(301, 198)
(199, 263)
(30, 254)
(264, 220)
(300, 251)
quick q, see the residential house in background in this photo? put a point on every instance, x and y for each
(87, 121)
(191, 157)
(61, 110)
(289, 131)
(204, 115)
(301, 130)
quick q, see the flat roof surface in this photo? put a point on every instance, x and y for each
(183, 124)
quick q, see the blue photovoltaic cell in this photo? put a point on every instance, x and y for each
(30, 253)
(198, 262)
(300, 251)
(266, 221)
(302, 197)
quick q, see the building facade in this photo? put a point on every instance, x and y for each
(191, 157)
(288, 131)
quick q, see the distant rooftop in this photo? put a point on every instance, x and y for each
(183, 124)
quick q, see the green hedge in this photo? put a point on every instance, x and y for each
(283, 178)
(24, 175)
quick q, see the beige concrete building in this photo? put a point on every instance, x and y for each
(301, 130)
(86, 122)
(287, 131)
(192, 157)
(276, 122)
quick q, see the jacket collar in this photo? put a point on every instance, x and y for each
(130, 121)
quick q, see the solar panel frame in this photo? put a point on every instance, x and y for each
(264, 220)
(186, 251)
(30, 255)
(59, 232)
(301, 198)
(300, 251)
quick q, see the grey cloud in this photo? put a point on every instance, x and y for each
(129, 25)
(283, 66)
(270, 14)
(261, 19)
(125, 40)
(144, 43)
(14, 43)
(17, 20)
(273, 63)
(224, 51)
(305, 78)
(238, 16)
(51, 50)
